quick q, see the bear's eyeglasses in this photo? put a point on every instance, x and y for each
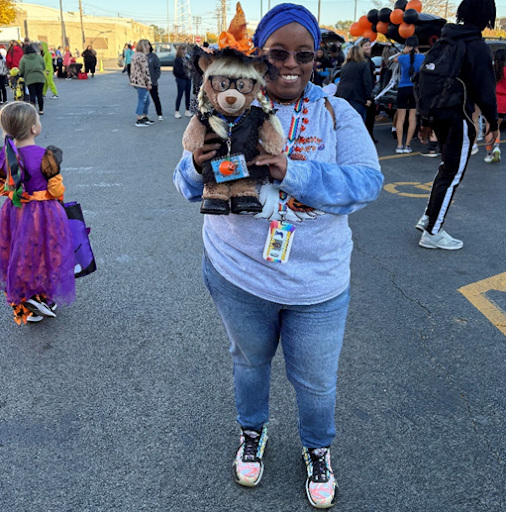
(222, 84)
(280, 54)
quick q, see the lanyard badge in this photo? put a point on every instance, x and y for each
(233, 166)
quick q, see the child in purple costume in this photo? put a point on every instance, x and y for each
(36, 251)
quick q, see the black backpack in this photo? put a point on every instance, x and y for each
(440, 93)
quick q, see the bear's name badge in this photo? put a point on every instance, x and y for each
(279, 241)
(230, 168)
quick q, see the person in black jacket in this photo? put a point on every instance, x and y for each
(90, 60)
(370, 117)
(155, 73)
(456, 135)
(355, 85)
(181, 71)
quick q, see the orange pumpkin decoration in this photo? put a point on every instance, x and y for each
(396, 16)
(406, 30)
(356, 30)
(414, 4)
(382, 27)
(227, 168)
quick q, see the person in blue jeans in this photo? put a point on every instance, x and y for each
(410, 61)
(140, 78)
(181, 71)
(269, 291)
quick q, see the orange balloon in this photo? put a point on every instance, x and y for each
(396, 16)
(356, 30)
(406, 30)
(382, 27)
(414, 4)
(364, 22)
(370, 34)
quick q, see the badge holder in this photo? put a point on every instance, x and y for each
(231, 167)
(280, 236)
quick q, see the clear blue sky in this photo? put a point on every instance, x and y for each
(155, 11)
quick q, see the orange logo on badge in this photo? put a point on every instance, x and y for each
(227, 168)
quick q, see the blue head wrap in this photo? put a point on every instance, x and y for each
(283, 14)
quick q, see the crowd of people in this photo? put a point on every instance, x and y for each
(328, 169)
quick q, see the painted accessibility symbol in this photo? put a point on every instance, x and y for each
(409, 188)
(476, 294)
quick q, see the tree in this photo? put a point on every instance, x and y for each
(444, 9)
(160, 34)
(8, 12)
(343, 25)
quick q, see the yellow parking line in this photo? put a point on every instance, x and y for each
(475, 293)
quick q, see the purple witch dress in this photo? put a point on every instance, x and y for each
(36, 250)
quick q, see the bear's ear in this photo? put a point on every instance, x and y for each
(204, 62)
(261, 66)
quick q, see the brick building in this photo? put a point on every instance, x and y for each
(107, 35)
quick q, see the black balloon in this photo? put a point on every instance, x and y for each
(400, 4)
(393, 31)
(372, 16)
(384, 14)
(410, 16)
(373, 28)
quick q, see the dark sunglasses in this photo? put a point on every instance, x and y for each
(279, 54)
(222, 83)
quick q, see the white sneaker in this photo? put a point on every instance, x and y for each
(441, 240)
(422, 223)
(399, 149)
(496, 154)
(407, 149)
(54, 97)
(188, 114)
(160, 118)
(489, 158)
(177, 115)
(475, 149)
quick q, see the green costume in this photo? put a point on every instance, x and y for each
(48, 60)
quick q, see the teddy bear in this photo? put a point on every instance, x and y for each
(232, 79)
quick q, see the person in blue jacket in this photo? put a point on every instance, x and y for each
(283, 275)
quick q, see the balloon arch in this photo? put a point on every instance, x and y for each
(397, 24)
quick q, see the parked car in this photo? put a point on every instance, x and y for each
(166, 52)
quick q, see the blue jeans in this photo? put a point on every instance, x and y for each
(142, 101)
(359, 107)
(311, 339)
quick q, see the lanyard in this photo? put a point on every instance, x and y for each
(230, 125)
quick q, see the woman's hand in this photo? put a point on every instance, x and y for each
(277, 164)
(207, 151)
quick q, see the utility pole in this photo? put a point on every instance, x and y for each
(198, 21)
(446, 10)
(224, 15)
(168, 23)
(319, 9)
(82, 26)
(63, 36)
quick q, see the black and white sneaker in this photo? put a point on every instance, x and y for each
(39, 308)
(148, 121)
(141, 123)
(33, 318)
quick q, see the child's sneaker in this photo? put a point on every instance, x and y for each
(321, 487)
(474, 149)
(33, 318)
(399, 149)
(177, 115)
(489, 158)
(496, 154)
(248, 465)
(38, 307)
(407, 149)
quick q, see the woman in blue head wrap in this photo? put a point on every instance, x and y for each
(283, 274)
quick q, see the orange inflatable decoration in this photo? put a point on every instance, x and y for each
(356, 30)
(406, 30)
(414, 4)
(396, 16)
(370, 34)
(364, 22)
(382, 27)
